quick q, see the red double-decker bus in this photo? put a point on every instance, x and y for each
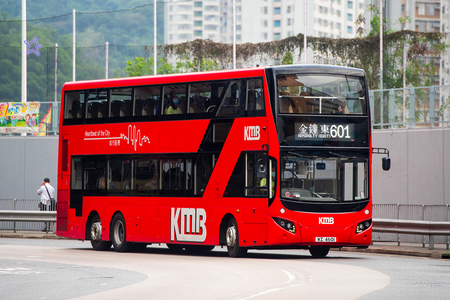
(275, 157)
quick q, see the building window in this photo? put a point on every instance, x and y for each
(421, 9)
(277, 10)
(430, 9)
(349, 29)
(350, 4)
(197, 13)
(349, 17)
(277, 36)
(211, 27)
(277, 23)
(197, 23)
(420, 26)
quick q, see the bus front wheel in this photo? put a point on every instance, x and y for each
(96, 235)
(118, 234)
(319, 251)
(232, 235)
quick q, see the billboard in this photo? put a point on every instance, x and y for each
(19, 117)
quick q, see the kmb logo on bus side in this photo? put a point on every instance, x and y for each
(192, 221)
(251, 133)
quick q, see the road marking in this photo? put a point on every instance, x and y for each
(291, 282)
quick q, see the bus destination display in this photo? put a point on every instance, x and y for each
(323, 131)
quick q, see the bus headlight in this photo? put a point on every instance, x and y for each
(363, 226)
(285, 224)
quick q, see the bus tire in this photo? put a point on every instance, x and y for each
(319, 251)
(232, 237)
(119, 234)
(95, 228)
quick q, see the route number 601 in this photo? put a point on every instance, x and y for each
(339, 131)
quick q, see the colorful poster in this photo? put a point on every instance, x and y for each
(19, 117)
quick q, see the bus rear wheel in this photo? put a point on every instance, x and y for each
(96, 236)
(319, 251)
(232, 235)
(119, 234)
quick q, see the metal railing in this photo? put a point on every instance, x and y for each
(28, 216)
(428, 228)
(411, 212)
(426, 106)
(24, 214)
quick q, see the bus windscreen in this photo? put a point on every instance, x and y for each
(321, 94)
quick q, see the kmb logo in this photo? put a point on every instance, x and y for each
(326, 220)
(192, 221)
(251, 133)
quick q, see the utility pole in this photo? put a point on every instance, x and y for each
(74, 49)
(24, 51)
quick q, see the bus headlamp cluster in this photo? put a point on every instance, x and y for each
(285, 224)
(363, 226)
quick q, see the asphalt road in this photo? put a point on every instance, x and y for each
(66, 269)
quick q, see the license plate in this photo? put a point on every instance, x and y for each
(322, 239)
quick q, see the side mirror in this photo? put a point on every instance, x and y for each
(386, 163)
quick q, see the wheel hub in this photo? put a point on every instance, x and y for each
(119, 233)
(231, 236)
(96, 231)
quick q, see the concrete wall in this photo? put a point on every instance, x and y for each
(420, 166)
(24, 163)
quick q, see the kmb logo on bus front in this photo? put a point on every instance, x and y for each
(251, 133)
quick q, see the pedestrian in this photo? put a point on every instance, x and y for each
(48, 201)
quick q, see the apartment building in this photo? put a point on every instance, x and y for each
(198, 19)
(261, 20)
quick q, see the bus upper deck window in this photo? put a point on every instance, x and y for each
(74, 105)
(321, 94)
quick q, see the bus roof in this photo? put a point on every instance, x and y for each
(322, 69)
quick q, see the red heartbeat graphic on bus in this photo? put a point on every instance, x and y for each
(134, 136)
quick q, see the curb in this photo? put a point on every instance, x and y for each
(43, 235)
(404, 251)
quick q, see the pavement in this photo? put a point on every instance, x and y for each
(440, 251)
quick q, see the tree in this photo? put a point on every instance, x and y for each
(140, 66)
(288, 58)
